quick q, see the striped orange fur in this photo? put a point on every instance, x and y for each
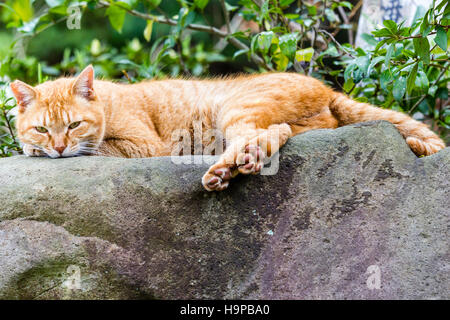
(72, 116)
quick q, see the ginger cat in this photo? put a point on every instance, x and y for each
(74, 116)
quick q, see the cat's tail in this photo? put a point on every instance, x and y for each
(419, 137)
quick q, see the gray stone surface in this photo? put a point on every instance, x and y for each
(343, 200)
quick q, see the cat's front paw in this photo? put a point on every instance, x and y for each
(31, 151)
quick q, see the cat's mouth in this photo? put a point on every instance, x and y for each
(80, 149)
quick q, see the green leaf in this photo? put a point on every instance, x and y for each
(154, 3)
(148, 30)
(281, 61)
(385, 32)
(61, 10)
(264, 40)
(331, 16)
(312, 10)
(304, 54)
(442, 93)
(285, 3)
(130, 4)
(334, 73)
(331, 51)
(24, 9)
(420, 12)
(391, 25)
(345, 4)
(96, 47)
(362, 99)
(389, 52)
(432, 90)
(425, 26)
(116, 17)
(349, 71)
(292, 16)
(441, 5)
(447, 9)
(185, 18)
(411, 78)
(379, 45)
(229, 7)
(288, 45)
(39, 73)
(201, 4)
(374, 62)
(348, 85)
(399, 88)
(447, 120)
(424, 107)
(422, 48)
(422, 81)
(91, 5)
(253, 44)
(408, 53)
(363, 63)
(441, 38)
(239, 34)
(385, 79)
(358, 75)
(239, 52)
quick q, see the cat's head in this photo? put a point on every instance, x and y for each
(61, 118)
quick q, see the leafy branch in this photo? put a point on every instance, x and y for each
(196, 27)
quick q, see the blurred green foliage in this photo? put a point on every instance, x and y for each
(406, 67)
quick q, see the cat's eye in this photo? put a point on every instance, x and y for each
(73, 125)
(41, 129)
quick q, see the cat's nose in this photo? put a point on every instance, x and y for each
(60, 149)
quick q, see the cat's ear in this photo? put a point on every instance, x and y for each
(24, 94)
(84, 84)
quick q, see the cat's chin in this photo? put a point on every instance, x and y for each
(62, 156)
(68, 153)
(74, 155)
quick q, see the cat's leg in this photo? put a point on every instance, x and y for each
(129, 144)
(245, 154)
(111, 148)
(31, 151)
(124, 148)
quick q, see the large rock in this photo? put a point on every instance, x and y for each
(346, 206)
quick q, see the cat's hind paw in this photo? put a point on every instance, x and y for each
(425, 147)
(251, 161)
(217, 178)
